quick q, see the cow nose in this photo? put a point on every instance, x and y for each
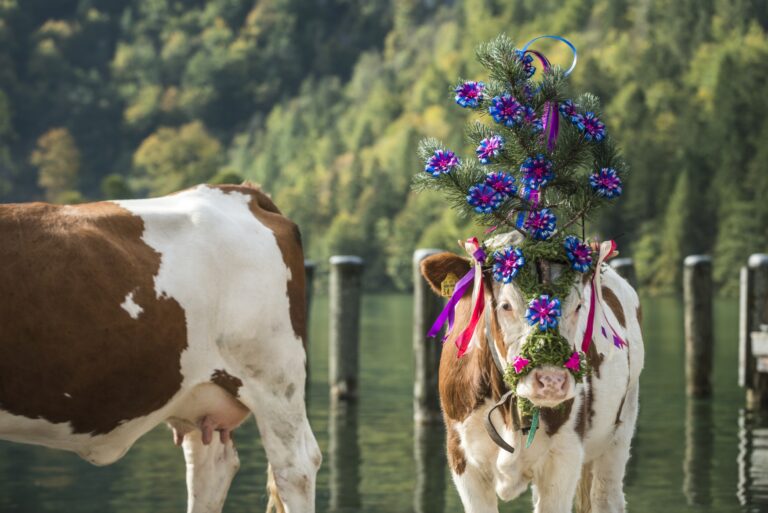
(550, 383)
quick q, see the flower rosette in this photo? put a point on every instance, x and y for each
(507, 264)
(591, 126)
(540, 224)
(579, 253)
(441, 162)
(543, 312)
(569, 111)
(484, 198)
(489, 148)
(470, 94)
(537, 171)
(502, 183)
(506, 110)
(532, 119)
(606, 183)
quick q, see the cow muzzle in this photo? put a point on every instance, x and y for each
(547, 386)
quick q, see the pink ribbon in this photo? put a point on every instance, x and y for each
(607, 250)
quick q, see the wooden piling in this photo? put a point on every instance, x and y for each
(344, 337)
(626, 269)
(699, 341)
(426, 350)
(753, 357)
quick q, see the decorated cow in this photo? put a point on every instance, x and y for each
(187, 309)
(539, 374)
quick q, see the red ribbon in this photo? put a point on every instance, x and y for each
(606, 250)
(462, 342)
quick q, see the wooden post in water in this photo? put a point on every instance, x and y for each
(626, 269)
(344, 339)
(426, 350)
(699, 342)
(753, 368)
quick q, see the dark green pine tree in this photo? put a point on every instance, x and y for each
(513, 105)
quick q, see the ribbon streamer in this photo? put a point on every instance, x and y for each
(607, 250)
(449, 312)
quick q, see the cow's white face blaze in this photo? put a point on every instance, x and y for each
(545, 386)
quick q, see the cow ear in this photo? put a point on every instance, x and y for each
(436, 268)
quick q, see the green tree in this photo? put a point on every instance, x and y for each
(174, 158)
(58, 162)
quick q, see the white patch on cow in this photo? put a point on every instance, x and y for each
(130, 306)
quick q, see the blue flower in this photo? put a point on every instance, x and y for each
(527, 62)
(506, 110)
(441, 162)
(568, 110)
(489, 148)
(531, 118)
(606, 183)
(590, 124)
(502, 183)
(537, 171)
(540, 223)
(578, 253)
(507, 263)
(469, 94)
(484, 198)
(543, 312)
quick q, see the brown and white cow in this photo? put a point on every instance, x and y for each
(583, 442)
(186, 309)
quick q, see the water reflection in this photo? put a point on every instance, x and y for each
(753, 459)
(429, 456)
(699, 451)
(344, 456)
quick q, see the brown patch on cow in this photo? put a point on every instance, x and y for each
(613, 303)
(595, 359)
(288, 239)
(586, 278)
(639, 315)
(456, 458)
(586, 410)
(466, 382)
(65, 272)
(436, 268)
(554, 418)
(226, 381)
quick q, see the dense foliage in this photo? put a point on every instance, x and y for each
(324, 102)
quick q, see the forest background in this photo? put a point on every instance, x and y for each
(323, 103)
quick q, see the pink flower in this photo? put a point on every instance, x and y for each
(573, 363)
(520, 363)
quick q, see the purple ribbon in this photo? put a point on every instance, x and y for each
(449, 312)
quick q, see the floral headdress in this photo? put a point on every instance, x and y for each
(543, 164)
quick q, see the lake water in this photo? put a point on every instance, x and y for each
(688, 456)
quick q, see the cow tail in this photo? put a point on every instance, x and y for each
(275, 504)
(583, 502)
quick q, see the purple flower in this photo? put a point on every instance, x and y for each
(527, 62)
(578, 253)
(543, 312)
(540, 223)
(606, 183)
(568, 110)
(531, 118)
(502, 183)
(537, 171)
(489, 148)
(484, 198)
(441, 162)
(590, 124)
(520, 363)
(507, 263)
(469, 94)
(506, 110)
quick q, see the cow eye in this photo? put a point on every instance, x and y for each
(506, 307)
(578, 307)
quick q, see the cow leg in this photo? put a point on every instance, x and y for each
(557, 477)
(476, 490)
(291, 448)
(607, 494)
(210, 469)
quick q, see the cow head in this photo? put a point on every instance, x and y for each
(547, 384)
